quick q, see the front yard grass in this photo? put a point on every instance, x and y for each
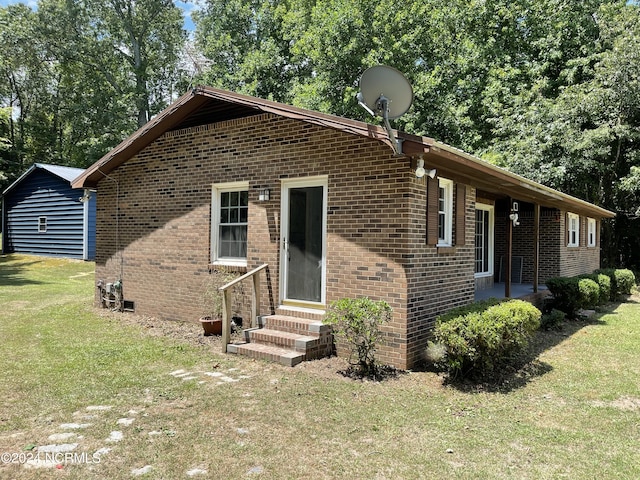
(573, 412)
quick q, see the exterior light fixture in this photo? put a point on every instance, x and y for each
(421, 172)
(263, 195)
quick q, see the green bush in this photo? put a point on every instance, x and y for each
(604, 285)
(478, 342)
(622, 281)
(357, 321)
(625, 281)
(552, 320)
(589, 293)
(566, 294)
(479, 306)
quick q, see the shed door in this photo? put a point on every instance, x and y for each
(303, 241)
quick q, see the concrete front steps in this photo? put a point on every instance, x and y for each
(286, 339)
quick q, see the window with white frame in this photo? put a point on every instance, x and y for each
(591, 232)
(230, 208)
(42, 224)
(445, 211)
(573, 229)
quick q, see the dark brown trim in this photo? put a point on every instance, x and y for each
(432, 211)
(460, 214)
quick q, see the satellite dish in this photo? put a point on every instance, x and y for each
(380, 83)
(385, 92)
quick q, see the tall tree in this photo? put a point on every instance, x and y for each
(28, 82)
(133, 45)
(247, 47)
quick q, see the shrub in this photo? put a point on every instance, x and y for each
(622, 281)
(625, 281)
(357, 321)
(589, 293)
(566, 294)
(485, 338)
(552, 320)
(605, 287)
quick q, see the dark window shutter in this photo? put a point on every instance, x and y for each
(460, 213)
(432, 211)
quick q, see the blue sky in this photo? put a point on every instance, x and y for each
(187, 8)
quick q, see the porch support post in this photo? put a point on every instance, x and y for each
(536, 245)
(507, 266)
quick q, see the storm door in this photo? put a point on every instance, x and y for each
(303, 241)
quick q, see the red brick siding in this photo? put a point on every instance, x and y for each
(165, 209)
(556, 259)
(376, 224)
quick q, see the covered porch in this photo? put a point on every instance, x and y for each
(518, 290)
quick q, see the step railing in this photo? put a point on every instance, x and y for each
(226, 302)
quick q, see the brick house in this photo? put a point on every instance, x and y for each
(222, 181)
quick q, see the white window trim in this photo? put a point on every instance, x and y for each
(570, 217)
(447, 185)
(591, 232)
(491, 210)
(42, 222)
(216, 190)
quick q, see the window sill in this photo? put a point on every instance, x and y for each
(230, 267)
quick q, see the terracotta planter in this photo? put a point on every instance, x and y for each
(211, 326)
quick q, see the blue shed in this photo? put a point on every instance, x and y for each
(43, 215)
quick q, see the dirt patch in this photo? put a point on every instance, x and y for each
(623, 403)
(188, 332)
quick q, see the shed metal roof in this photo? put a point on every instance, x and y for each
(204, 105)
(65, 173)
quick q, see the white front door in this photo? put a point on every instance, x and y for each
(303, 241)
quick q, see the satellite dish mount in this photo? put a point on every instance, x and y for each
(386, 93)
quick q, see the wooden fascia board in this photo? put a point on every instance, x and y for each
(480, 174)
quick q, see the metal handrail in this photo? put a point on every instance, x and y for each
(226, 302)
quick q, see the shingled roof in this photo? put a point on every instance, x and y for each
(205, 105)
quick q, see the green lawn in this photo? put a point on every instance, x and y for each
(573, 412)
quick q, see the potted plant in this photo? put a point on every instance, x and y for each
(211, 321)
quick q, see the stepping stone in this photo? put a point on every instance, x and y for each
(177, 372)
(115, 436)
(189, 378)
(74, 426)
(196, 471)
(125, 421)
(102, 451)
(61, 437)
(62, 448)
(214, 374)
(39, 463)
(98, 408)
(141, 471)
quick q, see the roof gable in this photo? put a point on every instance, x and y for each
(60, 171)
